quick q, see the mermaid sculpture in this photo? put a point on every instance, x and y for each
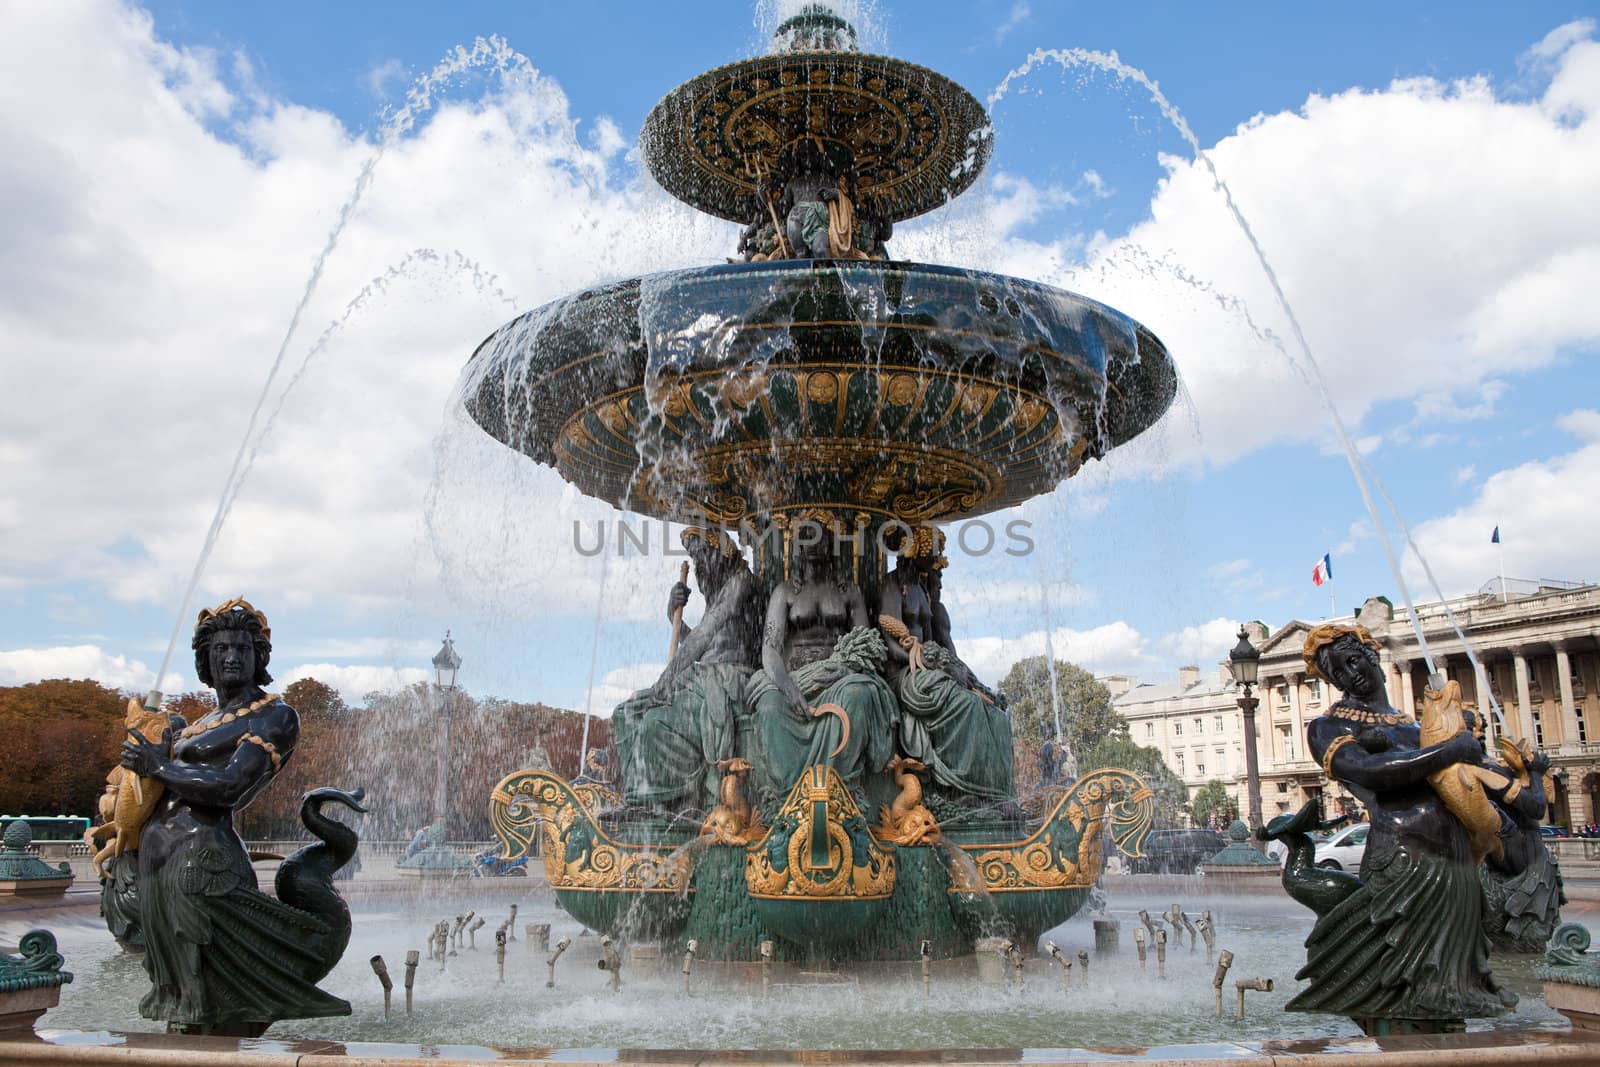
(1522, 886)
(1399, 949)
(223, 957)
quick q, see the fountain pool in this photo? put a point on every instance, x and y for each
(876, 1006)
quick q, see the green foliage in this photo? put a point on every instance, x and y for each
(1087, 715)
(1212, 799)
(1171, 796)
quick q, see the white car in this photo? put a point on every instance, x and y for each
(1343, 851)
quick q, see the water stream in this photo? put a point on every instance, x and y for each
(492, 53)
(1307, 364)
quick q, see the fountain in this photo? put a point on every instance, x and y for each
(828, 404)
(810, 795)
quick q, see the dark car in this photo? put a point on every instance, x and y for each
(1177, 851)
(1553, 831)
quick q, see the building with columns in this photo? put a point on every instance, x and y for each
(1537, 646)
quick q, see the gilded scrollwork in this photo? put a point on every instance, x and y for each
(577, 852)
(819, 847)
(1066, 851)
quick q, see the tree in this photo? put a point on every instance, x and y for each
(62, 737)
(1087, 714)
(1210, 800)
(1171, 796)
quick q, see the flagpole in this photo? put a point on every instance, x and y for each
(1501, 546)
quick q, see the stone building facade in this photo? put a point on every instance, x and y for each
(1538, 651)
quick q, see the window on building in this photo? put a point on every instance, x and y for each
(1149, 729)
(1314, 687)
(1177, 727)
(1583, 727)
(1199, 725)
(1578, 692)
(1200, 768)
(1538, 730)
(1286, 737)
(1283, 694)
(1179, 758)
(1216, 723)
(1283, 787)
(1222, 761)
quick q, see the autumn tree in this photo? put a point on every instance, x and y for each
(62, 737)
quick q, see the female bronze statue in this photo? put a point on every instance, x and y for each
(950, 722)
(1403, 950)
(223, 957)
(819, 697)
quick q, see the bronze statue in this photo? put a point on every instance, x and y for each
(672, 737)
(949, 722)
(820, 697)
(1400, 950)
(223, 957)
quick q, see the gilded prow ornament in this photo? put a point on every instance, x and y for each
(578, 854)
(1065, 852)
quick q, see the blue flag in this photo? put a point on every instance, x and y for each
(1495, 540)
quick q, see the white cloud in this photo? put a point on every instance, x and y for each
(1019, 13)
(25, 665)
(1426, 233)
(1466, 474)
(1115, 646)
(620, 684)
(383, 77)
(355, 681)
(1545, 512)
(1204, 644)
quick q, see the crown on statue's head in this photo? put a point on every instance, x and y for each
(238, 603)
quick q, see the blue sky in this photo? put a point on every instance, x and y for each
(1421, 176)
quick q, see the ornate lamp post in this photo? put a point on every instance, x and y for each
(445, 665)
(1245, 663)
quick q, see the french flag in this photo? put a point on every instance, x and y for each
(1323, 571)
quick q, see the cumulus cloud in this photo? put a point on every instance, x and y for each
(1545, 512)
(23, 665)
(620, 684)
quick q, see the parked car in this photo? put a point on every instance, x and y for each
(1177, 851)
(1343, 851)
(1554, 831)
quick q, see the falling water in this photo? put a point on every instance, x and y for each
(492, 52)
(1308, 366)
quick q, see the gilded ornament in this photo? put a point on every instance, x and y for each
(1066, 851)
(578, 854)
(819, 847)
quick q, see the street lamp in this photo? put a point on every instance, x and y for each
(445, 665)
(1245, 663)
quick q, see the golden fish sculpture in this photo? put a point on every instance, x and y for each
(1461, 785)
(129, 799)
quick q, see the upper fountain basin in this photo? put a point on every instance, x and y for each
(873, 390)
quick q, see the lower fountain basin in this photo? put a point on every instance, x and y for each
(880, 389)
